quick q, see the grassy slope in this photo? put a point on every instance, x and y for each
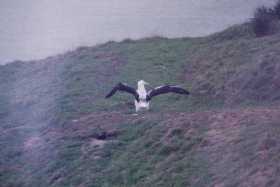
(194, 141)
(156, 60)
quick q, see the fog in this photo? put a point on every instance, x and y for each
(32, 29)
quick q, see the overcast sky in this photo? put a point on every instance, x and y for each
(32, 29)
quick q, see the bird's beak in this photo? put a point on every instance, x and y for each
(146, 83)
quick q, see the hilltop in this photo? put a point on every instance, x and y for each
(58, 130)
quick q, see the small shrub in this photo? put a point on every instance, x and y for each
(263, 21)
(276, 9)
(127, 40)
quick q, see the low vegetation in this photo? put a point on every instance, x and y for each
(266, 20)
(277, 9)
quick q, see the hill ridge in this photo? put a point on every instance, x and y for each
(58, 130)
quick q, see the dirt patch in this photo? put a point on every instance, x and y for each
(33, 143)
(96, 125)
(97, 143)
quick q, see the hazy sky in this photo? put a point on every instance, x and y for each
(32, 29)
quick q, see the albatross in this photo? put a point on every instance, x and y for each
(142, 96)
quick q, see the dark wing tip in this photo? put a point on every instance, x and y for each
(179, 90)
(186, 92)
(112, 92)
(108, 95)
(123, 87)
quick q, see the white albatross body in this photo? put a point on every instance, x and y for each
(142, 97)
(143, 103)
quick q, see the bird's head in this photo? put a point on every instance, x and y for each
(142, 83)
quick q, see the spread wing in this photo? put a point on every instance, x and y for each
(166, 89)
(124, 88)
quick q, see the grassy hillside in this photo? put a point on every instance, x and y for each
(58, 130)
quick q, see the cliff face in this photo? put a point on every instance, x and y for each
(58, 130)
